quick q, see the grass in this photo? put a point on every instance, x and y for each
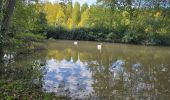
(16, 83)
(30, 37)
(23, 90)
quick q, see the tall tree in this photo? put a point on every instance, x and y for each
(84, 7)
(1, 7)
(1, 2)
(69, 8)
(51, 10)
(7, 15)
(70, 23)
(6, 18)
(76, 14)
(84, 18)
(41, 23)
(60, 18)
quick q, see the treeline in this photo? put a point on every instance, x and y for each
(127, 21)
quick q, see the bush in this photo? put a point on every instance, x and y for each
(138, 34)
(56, 32)
(30, 37)
(163, 40)
(132, 36)
(111, 37)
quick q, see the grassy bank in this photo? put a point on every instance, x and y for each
(18, 82)
(22, 90)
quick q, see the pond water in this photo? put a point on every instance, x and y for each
(106, 71)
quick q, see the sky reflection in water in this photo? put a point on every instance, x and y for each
(117, 72)
(68, 78)
(74, 79)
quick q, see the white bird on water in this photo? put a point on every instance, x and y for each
(99, 46)
(75, 43)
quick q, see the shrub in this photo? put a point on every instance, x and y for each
(111, 37)
(132, 36)
(30, 37)
(56, 32)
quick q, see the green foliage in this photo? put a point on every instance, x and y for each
(69, 9)
(20, 83)
(24, 17)
(111, 37)
(108, 21)
(132, 36)
(41, 24)
(56, 32)
(104, 21)
(84, 7)
(30, 37)
(60, 18)
(84, 19)
(76, 14)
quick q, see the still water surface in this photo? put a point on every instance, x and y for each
(110, 72)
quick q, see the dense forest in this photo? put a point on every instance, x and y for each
(127, 21)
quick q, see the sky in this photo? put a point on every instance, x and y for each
(80, 1)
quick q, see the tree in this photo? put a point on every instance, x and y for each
(69, 8)
(60, 18)
(1, 11)
(84, 18)
(41, 23)
(76, 14)
(109, 3)
(24, 17)
(70, 23)
(1, 3)
(51, 10)
(6, 18)
(84, 7)
(7, 15)
(129, 20)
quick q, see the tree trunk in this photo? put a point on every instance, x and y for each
(7, 15)
(1, 55)
(6, 18)
(1, 2)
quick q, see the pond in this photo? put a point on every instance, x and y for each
(106, 71)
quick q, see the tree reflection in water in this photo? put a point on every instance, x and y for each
(116, 74)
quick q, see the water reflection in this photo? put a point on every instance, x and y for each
(68, 78)
(118, 72)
